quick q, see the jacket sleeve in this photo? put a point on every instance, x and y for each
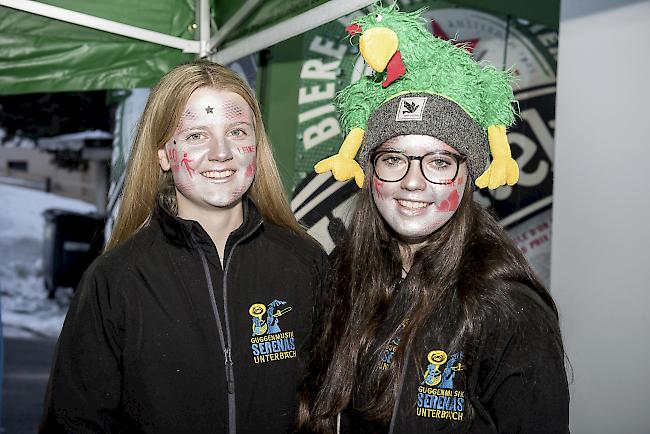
(83, 394)
(525, 389)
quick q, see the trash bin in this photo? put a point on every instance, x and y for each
(72, 241)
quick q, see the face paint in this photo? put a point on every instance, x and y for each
(205, 154)
(185, 162)
(414, 207)
(250, 169)
(172, 155)
(231, 111)
(378, 186)
(246, 149)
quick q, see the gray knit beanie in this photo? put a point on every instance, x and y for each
(431, 115)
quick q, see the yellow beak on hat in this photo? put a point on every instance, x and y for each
(377, 46)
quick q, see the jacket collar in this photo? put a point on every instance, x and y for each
(181, 232)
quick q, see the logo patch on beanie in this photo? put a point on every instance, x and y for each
(411, 108)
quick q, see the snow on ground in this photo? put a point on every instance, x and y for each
(26, 309)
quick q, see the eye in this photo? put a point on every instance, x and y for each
(440, 163)
(378, 18)
(194, 137)
(238, 132)
(391, 159)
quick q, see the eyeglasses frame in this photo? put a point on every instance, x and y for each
(460, 159)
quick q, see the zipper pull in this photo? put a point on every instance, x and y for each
(230, 372)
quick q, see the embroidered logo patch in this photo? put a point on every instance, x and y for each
(388, 353)
(411, 108)
(437, 396)
(269, 343)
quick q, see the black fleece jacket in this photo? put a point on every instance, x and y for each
(160, 337)
(519, 378)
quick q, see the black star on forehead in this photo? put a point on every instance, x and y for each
(208, 109)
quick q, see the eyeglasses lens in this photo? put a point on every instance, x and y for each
(438, 168)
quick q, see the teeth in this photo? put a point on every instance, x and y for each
(413, 205)
(218, 174)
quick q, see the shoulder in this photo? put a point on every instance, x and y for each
(134, 246)
(115, 263)
(296, 247)
(521, 377)
(524, 326)
(529, 306)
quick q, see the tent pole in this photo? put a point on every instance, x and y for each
(93, 22)
(203, 19)
(241, 14)
(297, 25)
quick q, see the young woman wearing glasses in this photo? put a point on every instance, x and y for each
(435, 321)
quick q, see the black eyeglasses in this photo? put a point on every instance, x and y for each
(439, 167)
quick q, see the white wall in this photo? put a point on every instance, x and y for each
(600, 260)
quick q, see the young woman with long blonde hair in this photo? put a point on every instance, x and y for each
(193, 319)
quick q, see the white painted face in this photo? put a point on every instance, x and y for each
(414, 207)
(212, 152)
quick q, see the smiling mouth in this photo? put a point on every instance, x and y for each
(218, 174)
(409, 204)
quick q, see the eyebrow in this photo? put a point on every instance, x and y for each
(234, 124)
(199, 127)
(389, 149)
(437, 151)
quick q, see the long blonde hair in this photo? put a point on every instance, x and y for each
(146, 182)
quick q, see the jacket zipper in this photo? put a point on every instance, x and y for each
(225, 340)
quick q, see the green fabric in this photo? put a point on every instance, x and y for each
(268, 13)
(40, 54)
(433, 66)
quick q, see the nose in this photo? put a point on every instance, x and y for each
(219, 151)
(414, 180)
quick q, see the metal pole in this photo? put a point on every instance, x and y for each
(203, 20)
(94, 22)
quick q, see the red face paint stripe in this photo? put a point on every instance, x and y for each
(378, 186)
(450, 204)
(186, 162)
(250, 169)
(237, 193)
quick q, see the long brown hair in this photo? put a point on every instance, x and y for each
(461, 277)
(146, 182)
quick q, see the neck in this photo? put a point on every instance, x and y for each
(216, 221)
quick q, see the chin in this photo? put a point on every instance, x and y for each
(223, 203)
(415, 235)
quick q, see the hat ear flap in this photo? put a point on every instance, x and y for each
(503, 169)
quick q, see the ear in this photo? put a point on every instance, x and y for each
(163, 160)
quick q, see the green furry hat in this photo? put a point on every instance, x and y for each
(432, 65)
(408, 60)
